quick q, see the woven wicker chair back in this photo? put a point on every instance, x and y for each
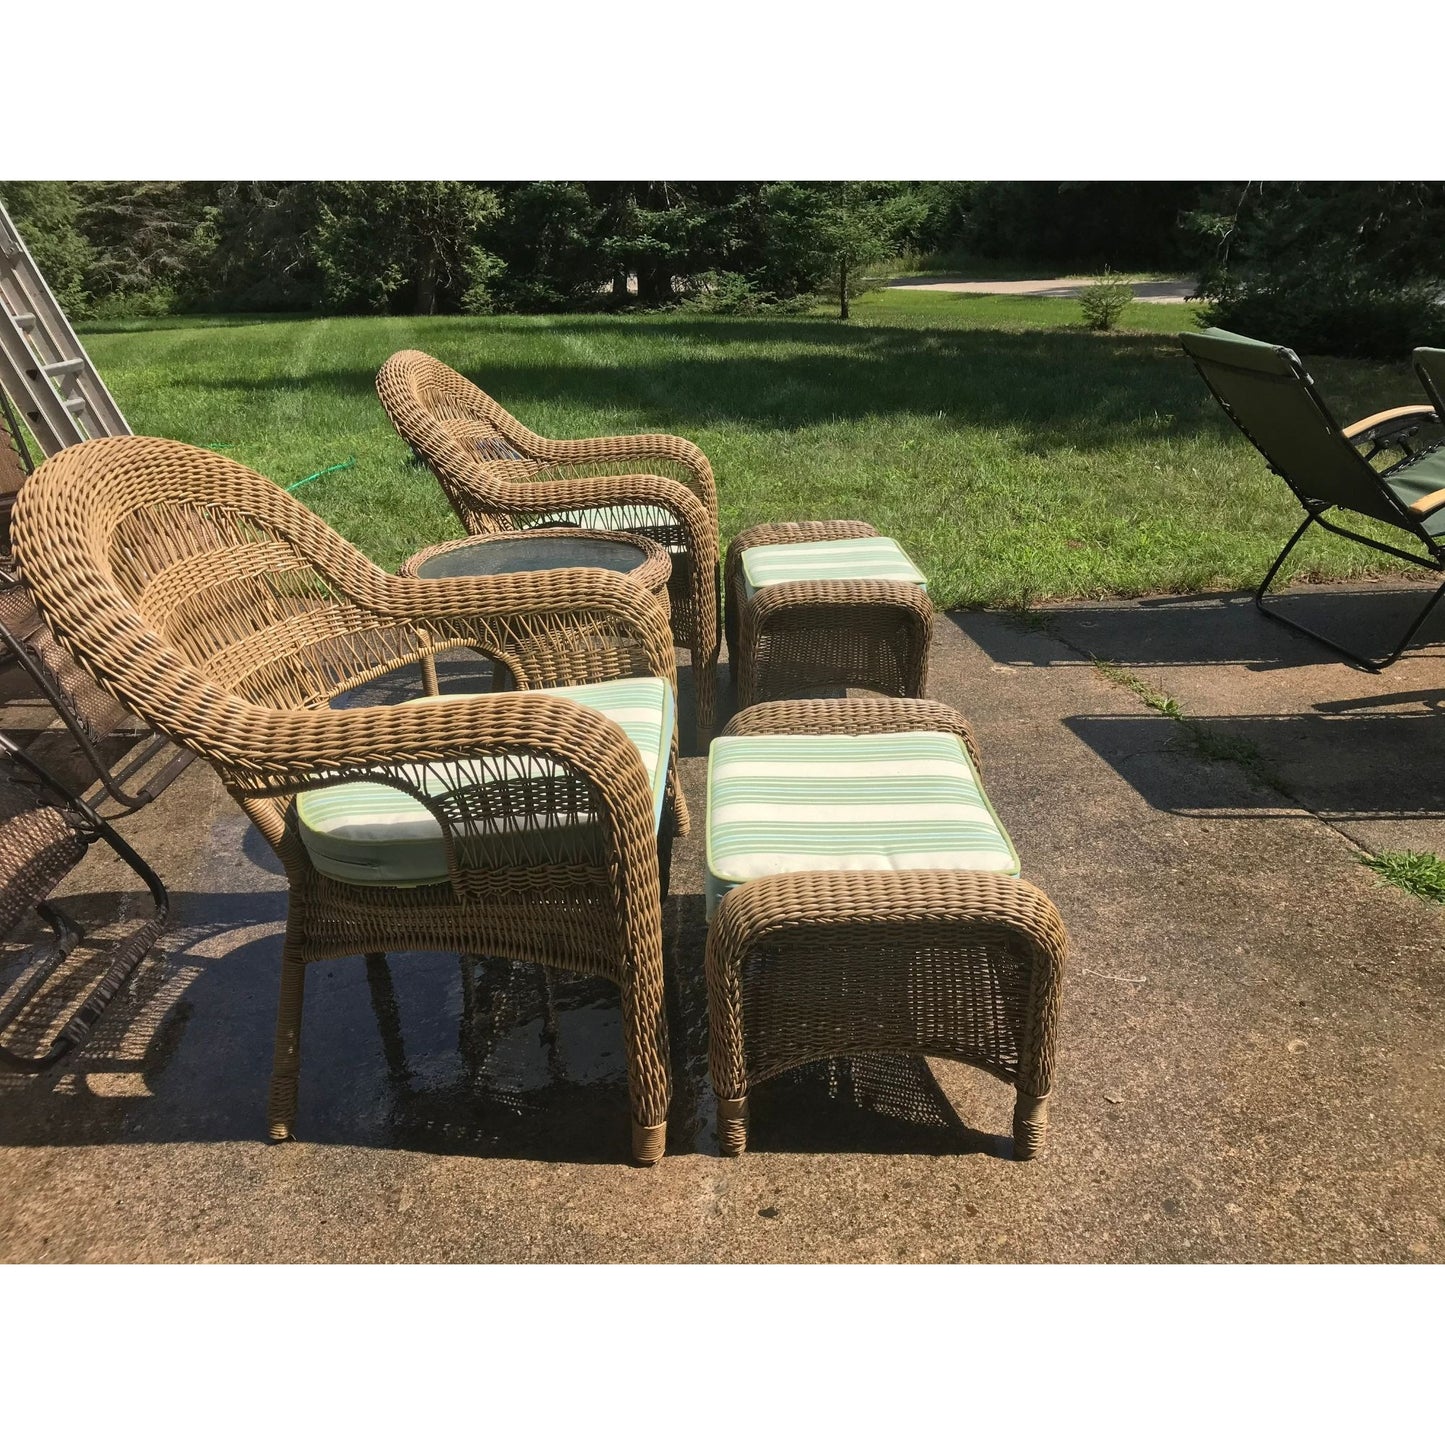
(459, 431)
(214, 576)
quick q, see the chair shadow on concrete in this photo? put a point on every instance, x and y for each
(1225, 628)
(1342, 764)
(427, 1052)
(871, 1103)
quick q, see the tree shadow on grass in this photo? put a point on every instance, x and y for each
(1059, 389)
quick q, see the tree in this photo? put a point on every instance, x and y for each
(47, 215)
(545, 233)
(821, 235)
(1347, 268)
(405, 245)
(151, 242)
(265, 255)
(1080, 225)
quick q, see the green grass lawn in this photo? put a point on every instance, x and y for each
(1017, 456)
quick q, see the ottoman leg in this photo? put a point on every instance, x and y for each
(1031, 1125)
(732, 1125)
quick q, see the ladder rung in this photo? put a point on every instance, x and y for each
(25, 320)
(64, 368)
(76, 405)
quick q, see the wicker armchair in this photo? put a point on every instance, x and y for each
(498, 475)
(227, 616)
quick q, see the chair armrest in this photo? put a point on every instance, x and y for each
(284, 751)
(853, 717)
(553, 627)
(298, 750)
(685, 455)
(541, 482)
(1400, 416)
(1431, 502)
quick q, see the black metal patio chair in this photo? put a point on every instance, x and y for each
(1267, 393)
(45, 831)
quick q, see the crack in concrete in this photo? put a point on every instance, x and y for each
(1169, 707)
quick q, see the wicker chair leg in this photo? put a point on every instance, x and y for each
(732, 1125)
(649, 1142)
(1031, 1125)
(649, 1084)
(704, 675)
(286, 1071)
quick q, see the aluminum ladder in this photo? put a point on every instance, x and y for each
(43, 366)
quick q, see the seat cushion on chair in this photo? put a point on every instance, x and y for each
(1418, 478)
(846, 559)
(371, 833)
(885, 802)
(637, 518)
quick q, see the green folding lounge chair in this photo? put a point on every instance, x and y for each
(1270, 397)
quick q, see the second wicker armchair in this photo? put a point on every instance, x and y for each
(499, 475)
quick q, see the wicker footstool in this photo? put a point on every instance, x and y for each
(824, 604)
(863, 899)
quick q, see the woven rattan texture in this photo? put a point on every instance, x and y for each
(795, 637)
(227, 616)
(465, 438)
(38, 847)
(944, 963)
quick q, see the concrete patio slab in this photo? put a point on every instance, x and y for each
(1251, 1043)
(1363, 751)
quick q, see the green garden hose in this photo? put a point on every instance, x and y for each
(339, 467)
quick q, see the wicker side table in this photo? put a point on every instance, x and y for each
(948, 962)
(793, 636)
(541, 549)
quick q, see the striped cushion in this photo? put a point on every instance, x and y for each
(371, 833)
(885, 802)
(847, 560)
(612, 519)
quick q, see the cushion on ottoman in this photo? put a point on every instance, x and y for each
(885, 802)
(846, 559)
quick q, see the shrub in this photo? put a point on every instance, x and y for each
(1338, 320)
(1104, 302)
(131, 305)
(1345, 268)
(726, 293)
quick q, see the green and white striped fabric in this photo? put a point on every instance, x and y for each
(885, 802)
(847, 560)
(371, 833)
(613, 519)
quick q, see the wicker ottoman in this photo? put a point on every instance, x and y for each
(806, 610)
(863, 899)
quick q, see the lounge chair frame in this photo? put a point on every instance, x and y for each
(1370, 436)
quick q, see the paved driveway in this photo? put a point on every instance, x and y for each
(1062, 286)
